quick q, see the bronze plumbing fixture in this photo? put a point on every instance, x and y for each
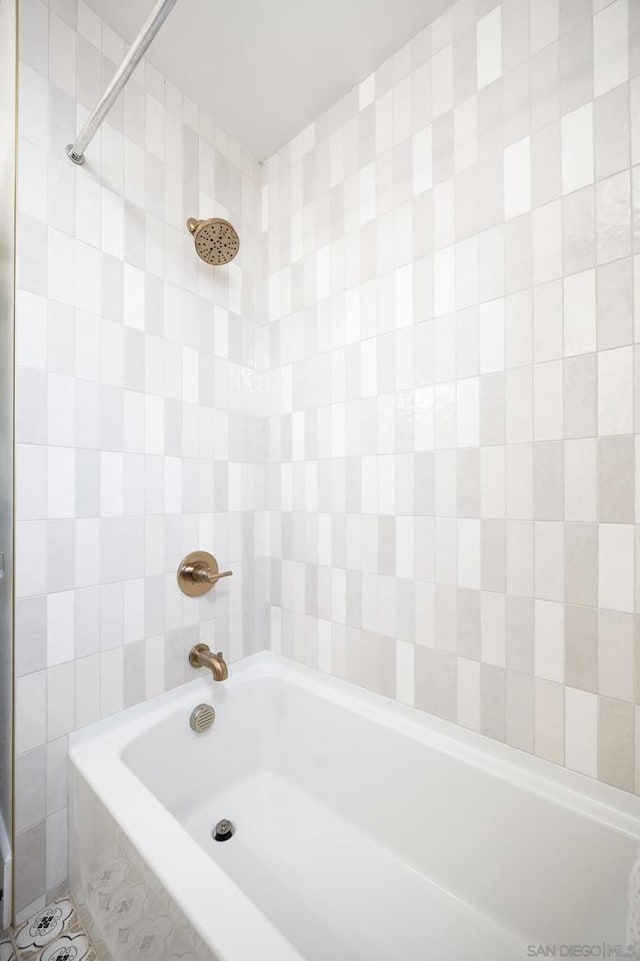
(216, 240)
(201, 656)
(198, 573)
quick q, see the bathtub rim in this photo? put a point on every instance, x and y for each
(96, 754)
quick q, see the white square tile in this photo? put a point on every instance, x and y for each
(442, 81)
(616, 567)
(133, 610)
(580, 313)
(60, 627)
(468, 412)
(89, 25)
(32, 185)
(61, 267)
(468, 694)
(549, 640)
(134, 297)
(517, 178)
(577, 149)
(31, 330)
(615, 391)
(33, 106)
(30, 572)
(61, 482)
(492, 629)
(111, 484)
(465, 121)
(87, 552)
(405, 672)
(519, 405)
(60, 700)
(31, 711)
(62, 55)
(492, 336)
(444, 281)
(489, 47)
(467, 283)
(547, 243)
(57, 856)
(581, 738)
(548, 401)
(60, 405)
(366, 91)
(581, 479)
(31, 482)
(544, 23)
(492, 482)
(549, 560)
(88, 278)
(468, 553)
(547, 321)
(610, 47)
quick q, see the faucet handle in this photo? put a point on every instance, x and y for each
(198, 573)
(204, 576)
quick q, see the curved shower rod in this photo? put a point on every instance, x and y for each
(75, 151)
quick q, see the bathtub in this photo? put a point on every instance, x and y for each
(363, 829)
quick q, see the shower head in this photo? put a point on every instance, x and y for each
(216, 240)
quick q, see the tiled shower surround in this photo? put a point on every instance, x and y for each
(414, 391)
(451, 483)
(137, 439)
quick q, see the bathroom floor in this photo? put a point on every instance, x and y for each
(53, 934)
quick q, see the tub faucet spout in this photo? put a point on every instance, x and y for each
(202, 656)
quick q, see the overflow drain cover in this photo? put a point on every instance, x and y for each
(223, 830)
(202, 718)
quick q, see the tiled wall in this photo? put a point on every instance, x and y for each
(452, 487)
(448, 376)
(137, 439)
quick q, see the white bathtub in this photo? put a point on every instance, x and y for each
(363, 830)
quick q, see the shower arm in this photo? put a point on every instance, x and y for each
(75, 151)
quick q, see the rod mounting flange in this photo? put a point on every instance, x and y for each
(78, 158)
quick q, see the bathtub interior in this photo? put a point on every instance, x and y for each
(349, 832)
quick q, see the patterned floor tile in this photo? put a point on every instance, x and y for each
(54, 934)
(73, 948)
(6, 951)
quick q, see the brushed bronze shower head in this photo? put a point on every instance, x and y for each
(216, 240)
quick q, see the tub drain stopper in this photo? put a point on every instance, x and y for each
(223, 830)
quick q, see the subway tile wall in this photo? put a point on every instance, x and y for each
(137, 434)
(406, 415)
(453, 253)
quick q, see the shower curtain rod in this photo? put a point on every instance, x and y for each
(75, 151)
